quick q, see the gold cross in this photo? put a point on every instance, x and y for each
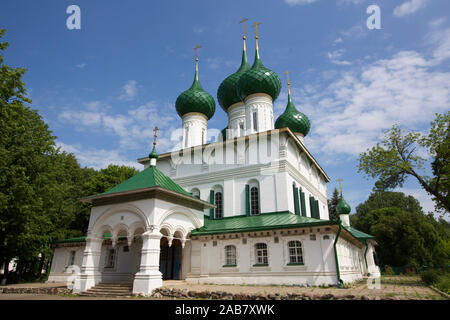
(255, 25)
(154, 135)
(340, 186)
(287, 75)
(196, 48)
(243, 24)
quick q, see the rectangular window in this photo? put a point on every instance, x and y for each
(255, 121)
(241, 128)
(261, 253)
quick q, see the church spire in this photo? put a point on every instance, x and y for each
(244, 63)
(196, 84)
(153, 155)
(257, 63)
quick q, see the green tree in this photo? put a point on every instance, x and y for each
(26, 145)
(332, 203)
(403, 237)
(397, 157)
(386, 199)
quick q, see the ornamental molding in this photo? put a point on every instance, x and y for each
(194, 114)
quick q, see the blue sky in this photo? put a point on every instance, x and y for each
(103, 88)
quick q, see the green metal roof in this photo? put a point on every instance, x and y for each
(358, 234)
(227, 93)
(343, 207)
(107, 235)
(258, 79)
(265, 221)
(293, 119)
(150, 177)
(195, 99)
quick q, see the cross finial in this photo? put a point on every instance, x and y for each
(340, 186)
(255, 25)
(155, 130)
(288, 83)
(243, 24)
(196, 49)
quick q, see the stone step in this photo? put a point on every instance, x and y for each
(115, 284)
(114, 287)
(105, 294)
(96, 290)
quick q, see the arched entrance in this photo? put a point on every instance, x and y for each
(170, 256)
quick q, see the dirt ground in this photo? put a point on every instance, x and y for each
(396, 287)
(399, 287)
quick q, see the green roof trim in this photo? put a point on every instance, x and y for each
(358, 234)
(264, 221)
(106, 236)
(150, 177)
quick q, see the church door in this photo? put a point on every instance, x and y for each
(170, 260)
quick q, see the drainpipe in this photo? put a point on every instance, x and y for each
(365, 256)
(340, 282)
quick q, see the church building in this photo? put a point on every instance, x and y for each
(247, 208)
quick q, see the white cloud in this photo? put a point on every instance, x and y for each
(81, 65)
(98, 158)
(350, 113)
(130, 91)
(335, 57)
(134, 129)
(409, 7)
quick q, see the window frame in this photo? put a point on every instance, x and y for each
(298, 258)
(263, 258)
(230, 257)
(218, 210)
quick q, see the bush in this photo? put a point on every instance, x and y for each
(429, 277)
(389, 271)
(444, 283)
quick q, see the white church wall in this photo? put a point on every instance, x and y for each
(61, 261)
(349, 265)
(318, 256)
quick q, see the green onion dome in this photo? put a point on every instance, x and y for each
(342, 206)
(195, 99)
(293, 119)
(227, 94)
(153, 154)
(258, 79)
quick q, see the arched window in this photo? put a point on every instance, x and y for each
(254, 200)
(218, 201)
(261, 253)
(295, 252)
(195, 193)
(230, 255)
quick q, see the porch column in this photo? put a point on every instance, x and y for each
(149, 277)
(90, 273)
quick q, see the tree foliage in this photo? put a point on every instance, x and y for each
(332, 203)
(398, 157)
(405, 235)
(40, 185)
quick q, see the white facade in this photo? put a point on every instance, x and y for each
(194, 129)
(259, 113)
(236, 121)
